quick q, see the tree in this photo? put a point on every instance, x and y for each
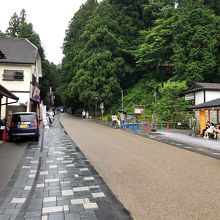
(2, 34)
(13, 29)
(99, 65)
(72, 48)
(196, 39)
(20, 27)
(156, 48)
(170, 106)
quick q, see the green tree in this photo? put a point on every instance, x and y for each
(71, 49)
(142, 93)
(20, 27)
(13, 29)
(171, 107)
(156, 48)
(196, 39)
(99, 63)
(2, 34)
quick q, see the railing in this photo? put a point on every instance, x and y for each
(146, 128)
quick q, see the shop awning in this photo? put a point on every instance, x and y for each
(6, 93)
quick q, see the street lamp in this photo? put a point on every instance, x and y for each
(96, 108)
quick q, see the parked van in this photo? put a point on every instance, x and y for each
(24, 124)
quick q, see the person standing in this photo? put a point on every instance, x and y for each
(87, 115)
(123, 119)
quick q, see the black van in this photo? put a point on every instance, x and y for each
(24, 124)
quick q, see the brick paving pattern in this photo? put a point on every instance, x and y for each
(57, 182)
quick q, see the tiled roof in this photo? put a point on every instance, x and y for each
(18, 50)
(211, 104)
(202, 86)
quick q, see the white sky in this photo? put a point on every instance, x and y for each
(50, 19)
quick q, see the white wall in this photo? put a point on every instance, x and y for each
(17, 85)
(199, 97)
(211, 95)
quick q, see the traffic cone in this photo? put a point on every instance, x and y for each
(4, 135)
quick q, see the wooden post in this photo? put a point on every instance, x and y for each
(209, 117)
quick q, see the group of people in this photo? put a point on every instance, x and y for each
(120, 122)
(211, 130)
(85, 114)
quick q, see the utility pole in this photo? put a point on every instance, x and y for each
(96, 98)
(122, 100)
(155, 102)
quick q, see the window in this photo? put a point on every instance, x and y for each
(15, 75)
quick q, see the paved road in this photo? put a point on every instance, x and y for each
(153, 180)
(55, 181)
(10, 155)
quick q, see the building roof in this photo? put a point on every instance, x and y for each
(202, 86)
(6, 93)
(208, 105)
(18, 50)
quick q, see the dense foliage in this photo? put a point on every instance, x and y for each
(152, 50)
(142, 47)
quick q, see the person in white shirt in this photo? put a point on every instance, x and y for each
(209, 130)
(83, 114)
(114, 120)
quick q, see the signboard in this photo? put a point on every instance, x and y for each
(139, 109)
(35, 93)
(130, 116)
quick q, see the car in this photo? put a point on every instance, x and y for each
(24, 124)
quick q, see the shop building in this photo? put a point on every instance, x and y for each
(20, 70)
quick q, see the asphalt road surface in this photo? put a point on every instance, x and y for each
(10, 155)
(152, 179)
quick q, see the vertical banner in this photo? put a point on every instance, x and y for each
(44, 114)
(202, 120)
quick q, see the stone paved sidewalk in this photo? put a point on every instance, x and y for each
(57, 182)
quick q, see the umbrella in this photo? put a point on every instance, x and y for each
(122, 111)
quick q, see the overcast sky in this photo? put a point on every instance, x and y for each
(50, 19)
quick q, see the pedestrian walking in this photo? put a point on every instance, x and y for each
(83, 114)
(50, 116)
(114, 120)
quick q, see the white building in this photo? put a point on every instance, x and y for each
(20, 69)
(205, 99)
